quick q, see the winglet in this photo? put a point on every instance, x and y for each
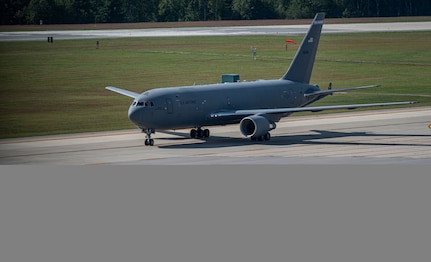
(122, 91)
(302, 65)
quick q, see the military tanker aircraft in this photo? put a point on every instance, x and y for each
(257, 106)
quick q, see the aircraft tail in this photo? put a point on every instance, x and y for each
(302, 65)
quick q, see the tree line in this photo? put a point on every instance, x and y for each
(121, 11)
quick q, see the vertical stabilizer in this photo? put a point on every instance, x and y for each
(302, 65)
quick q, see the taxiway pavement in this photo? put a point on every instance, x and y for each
(392, 136)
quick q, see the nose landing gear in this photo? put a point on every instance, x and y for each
(148, 140)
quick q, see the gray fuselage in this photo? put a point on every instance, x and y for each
(192, 106)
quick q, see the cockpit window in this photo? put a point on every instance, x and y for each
(143, 103)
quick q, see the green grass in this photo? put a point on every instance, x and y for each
(59, 87)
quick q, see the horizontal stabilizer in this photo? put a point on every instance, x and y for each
(302, 109)
(331, 91)
(122, 91)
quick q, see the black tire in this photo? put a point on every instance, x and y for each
(199, 133)
(206, 133)
(193, 133)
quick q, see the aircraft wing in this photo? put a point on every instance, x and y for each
(331, 91)
(123, 92)
(301, 109)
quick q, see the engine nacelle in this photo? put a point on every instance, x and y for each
(255, 126)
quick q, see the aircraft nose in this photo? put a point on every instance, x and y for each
(135, 115)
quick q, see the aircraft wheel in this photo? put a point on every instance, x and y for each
(206, 133)
(193, 133)
(199, 133)
(149, 142)
(253, 138)
(267, 137)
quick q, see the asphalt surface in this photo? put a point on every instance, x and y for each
(212, 31)
(393, 136)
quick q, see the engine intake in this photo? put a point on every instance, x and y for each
(255, 126)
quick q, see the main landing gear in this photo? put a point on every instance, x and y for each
(199, 133)
(266, 137)
(148, 140)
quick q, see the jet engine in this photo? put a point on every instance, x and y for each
(256, 127)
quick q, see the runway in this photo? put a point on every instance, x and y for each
(211, 31)
(393, 136)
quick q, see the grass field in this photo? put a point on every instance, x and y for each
(59, 88)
